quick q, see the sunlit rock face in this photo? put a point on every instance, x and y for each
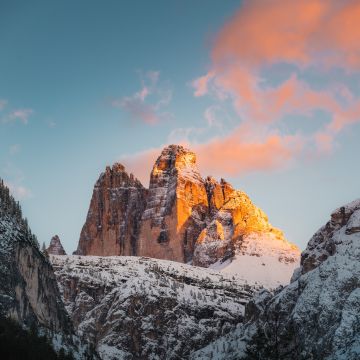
(113, 221)
(184, 218)
(55, 247)
(176, 208)
(239, 228)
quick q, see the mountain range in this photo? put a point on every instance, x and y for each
(189, 268)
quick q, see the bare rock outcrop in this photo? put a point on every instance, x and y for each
(181, 217)
(55, 247)
(113, 221)
(176, 208)
(238, 228)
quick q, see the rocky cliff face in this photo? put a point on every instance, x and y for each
(113, 221)
(183, 218)
(317, 316)
(28, 289)
(141, 308)
(55, 247)
(176, 208)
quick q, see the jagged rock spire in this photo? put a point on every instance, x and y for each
(55, 247)
(113, 220)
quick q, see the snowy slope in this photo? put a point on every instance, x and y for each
(317, 316)
(263, 260)
(142, 308)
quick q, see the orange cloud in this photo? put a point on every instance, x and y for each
(231, 155)
(291, 31)
(320, 35)
(140, 164)
(307, 34)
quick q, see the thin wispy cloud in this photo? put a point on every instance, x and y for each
(14, 180)
(18, 115)
(3, 104)
(14, 149)
(19, 192)
(148, 104)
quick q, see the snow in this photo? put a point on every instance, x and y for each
(320, 308)
(262, 260)
(353, 224)
(184, 305)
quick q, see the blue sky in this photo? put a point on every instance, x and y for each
(86, 83)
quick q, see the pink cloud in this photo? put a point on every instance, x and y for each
(238, 153)
(139, 105)
(3, 103)
(140, 164)
(308, 34)
(18, 191)
(21, 115)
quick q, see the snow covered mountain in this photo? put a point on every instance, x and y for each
(142, 308)
(185, 218)
(317, 316)
(28, 289)
(26, 276)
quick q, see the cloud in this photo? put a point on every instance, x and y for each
(14, 149)
(303, 36)
(244, 152)
(21, 115)
(140, 164)
(18, 191)
(3, 103)
(146, 105)
(238, 153)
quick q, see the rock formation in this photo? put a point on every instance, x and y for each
(113, 221)
(317, 316)
(28, 289)
(55, 247)
(182, 217)
(176, 208)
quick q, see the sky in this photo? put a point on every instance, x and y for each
(265, 92)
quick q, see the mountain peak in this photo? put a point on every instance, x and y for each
(175, 158)
(55, 247)
(117, 176)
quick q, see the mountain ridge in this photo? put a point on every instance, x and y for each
(181, 217)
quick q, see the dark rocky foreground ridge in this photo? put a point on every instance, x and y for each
(317, 316)
(29, 293)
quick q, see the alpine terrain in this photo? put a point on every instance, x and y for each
(317, 316)
(185, 218)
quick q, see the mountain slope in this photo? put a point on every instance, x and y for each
(317, 316)
(28, 289)
(29, 293)
(141, 308)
